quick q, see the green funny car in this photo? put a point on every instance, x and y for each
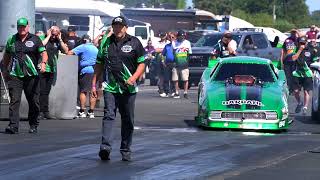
(245, 93)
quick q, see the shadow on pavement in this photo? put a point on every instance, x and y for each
(305, 119)
(192, 123)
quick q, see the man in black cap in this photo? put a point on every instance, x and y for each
(21, 69)
(121, 57)
(302, 75)
(72, 39)
(158, 65)
(182, 49)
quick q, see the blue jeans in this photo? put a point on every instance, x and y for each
(125, 103)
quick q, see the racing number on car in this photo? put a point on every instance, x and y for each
(282, 124)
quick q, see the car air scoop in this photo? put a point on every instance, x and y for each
(244, 79)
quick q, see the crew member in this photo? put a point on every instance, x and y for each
(20, 62)
(121, 57)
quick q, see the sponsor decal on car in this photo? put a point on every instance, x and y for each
(242, 102)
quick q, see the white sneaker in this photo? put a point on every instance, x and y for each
(304, 110)
(176, 96)
(163, 95)
(78, 107)
(90, 115)
(173, 94)
(81, 114)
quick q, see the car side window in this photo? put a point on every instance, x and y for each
(248, 43)
(259, 41)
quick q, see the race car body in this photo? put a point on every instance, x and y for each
(315, 111)
(243, 92)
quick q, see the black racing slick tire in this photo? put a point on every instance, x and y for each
(315, 113)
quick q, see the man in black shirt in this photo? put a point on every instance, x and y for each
(20, 62)
(225, 47)
(121, 56)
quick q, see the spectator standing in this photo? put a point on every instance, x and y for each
(150, 52)
(88, 55)
(159, 61)
(302, 75)
(312, 33)
(182, 48)
(168, 64)
(53, 43)
(20, 61)
(121, 58)
(72, 38)
(288, 50)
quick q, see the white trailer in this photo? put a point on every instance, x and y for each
(87, 15)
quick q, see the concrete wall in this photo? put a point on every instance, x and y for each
(63, 96)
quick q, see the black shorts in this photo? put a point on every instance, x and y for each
(302, 82)
(85, 82)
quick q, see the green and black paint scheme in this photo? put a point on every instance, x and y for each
(244, 93)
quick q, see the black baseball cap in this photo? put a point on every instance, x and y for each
(302, 39)
(162, 34)
(86, 36)
(119, 20)
(181, 33)
(72, 29)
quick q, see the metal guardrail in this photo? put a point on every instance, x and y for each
(4, 98)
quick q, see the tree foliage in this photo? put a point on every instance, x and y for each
(289, 13)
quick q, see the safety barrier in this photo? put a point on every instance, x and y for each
(63, 96)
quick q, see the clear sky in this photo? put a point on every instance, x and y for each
(313, 5)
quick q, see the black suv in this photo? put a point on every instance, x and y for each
(249, 44)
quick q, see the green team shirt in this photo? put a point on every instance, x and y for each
(306, 57)
(25, 55)
(121, 60)
(181, 51)
(52, 48)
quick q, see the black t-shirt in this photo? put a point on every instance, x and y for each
(221, 50)
(53, 48)
(73, 41)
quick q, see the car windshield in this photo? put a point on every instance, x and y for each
(211, 40)
(259, 71)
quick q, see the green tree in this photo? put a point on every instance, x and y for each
(216, 6)
(315, 17)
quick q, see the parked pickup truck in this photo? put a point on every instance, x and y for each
(249, 44)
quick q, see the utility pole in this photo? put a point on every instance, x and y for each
(274, 12)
